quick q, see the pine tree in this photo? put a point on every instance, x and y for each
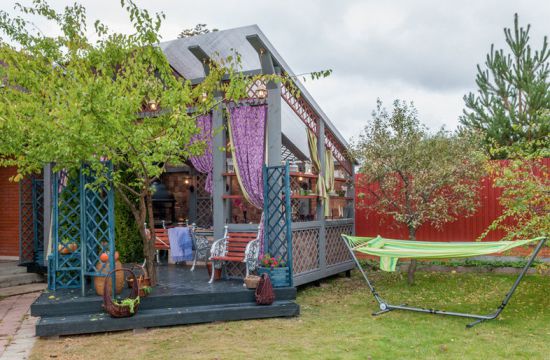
(512, 97)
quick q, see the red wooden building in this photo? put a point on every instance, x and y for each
(9, 215)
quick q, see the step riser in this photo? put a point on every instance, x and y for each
(19, 279)
(154, 319)
(93, 305)
(11, 270)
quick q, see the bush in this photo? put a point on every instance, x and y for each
(127, 238)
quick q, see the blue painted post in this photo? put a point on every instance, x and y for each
(266, 210)
(288, 221)
(83, 233)
(55, 232)
(111, 225)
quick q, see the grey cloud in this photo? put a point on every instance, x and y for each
(422, 50)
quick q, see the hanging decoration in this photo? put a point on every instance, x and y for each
(314, 154)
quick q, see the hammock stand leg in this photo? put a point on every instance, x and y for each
(384, 307)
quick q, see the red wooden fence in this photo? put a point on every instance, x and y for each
(463, 229)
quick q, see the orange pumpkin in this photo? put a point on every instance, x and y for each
(104, 257)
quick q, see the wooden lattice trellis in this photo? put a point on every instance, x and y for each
(82, 229)
(204, 204)
(305, 250)
(310, 118)
(277, 214)
(336, 251)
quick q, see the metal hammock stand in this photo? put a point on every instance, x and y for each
(386, 307)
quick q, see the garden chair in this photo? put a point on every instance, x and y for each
(201, 245)
(240, 247)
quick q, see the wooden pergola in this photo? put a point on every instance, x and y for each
(316, 245)
(315, 241)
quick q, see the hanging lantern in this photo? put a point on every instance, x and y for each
(261, 92)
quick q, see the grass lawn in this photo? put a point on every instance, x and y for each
(336, 323)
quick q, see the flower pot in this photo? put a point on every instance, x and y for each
(67, 248)
(280, 276)
(217, 274)
(100, 280)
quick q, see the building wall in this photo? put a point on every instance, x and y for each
(9, 213)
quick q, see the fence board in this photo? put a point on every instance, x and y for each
(463, 229)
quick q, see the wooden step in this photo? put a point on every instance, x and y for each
(146, 318)
(11, 268)
(20, 279)
(69, 302)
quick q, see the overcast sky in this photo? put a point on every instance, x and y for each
(422, 51)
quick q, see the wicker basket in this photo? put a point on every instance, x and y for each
(115, 310)
(251, 281)
(143, 279)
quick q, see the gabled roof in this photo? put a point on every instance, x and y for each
(220, 44)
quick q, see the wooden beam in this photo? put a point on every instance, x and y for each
(202, 57)
(274, 141)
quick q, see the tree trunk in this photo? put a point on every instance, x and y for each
(412, 265)
(149, 246)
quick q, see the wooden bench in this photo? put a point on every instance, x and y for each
(161, 239)
(236, 247)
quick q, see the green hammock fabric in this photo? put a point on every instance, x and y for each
(390, 250)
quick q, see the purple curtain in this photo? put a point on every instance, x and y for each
(247, 132)
(204, 163)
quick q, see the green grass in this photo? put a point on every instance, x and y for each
(336, 323)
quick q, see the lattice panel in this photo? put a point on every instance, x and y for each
(257, 90)
(201, 182)
(67, 249)
(204, 213)
(302, 109)
(83, 228)
(38, 219)
(305, 250)
(276, 216)
(98, 231)
(26, 231)
(277, 213)
(337, 150)
(204, 204)
(286, 154)
(310, 118)
(234, 270)
(336, 251)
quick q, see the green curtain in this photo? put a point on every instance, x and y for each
(321, 187)
(329, 178)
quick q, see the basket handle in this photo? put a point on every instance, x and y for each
(106, 288)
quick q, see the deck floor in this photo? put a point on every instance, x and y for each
(172, 280)
(181, 297)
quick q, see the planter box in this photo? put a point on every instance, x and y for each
(280, 277)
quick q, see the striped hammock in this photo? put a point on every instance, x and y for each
(390, 250)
